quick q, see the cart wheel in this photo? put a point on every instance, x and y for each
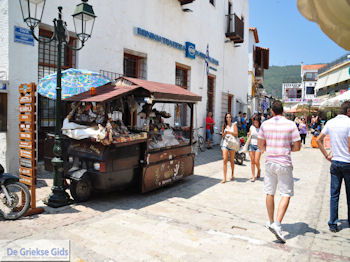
(81, 190)
(239, 158)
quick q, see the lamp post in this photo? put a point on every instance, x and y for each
(84, 18)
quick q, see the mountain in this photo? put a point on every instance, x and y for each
(276, 75)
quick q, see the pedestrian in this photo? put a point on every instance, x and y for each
(338, 129)
(244, 123)
(209, 129)
(253, 149)
(228, 129)
(302, 130)
(279, 137)
(238, 119)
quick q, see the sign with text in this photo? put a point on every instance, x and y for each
(23, 36)
(27, 134)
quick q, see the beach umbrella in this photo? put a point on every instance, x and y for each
(74, 81)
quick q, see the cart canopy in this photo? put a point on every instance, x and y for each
(138, 87)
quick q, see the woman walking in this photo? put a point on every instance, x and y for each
(229, 129)
(303, 130)
(253, 149)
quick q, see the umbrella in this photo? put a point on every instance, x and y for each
(337, 100)
(74, 82)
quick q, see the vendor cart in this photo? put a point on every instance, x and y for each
(130, 134)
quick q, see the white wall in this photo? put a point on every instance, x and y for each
(114, 32)
(4, 67)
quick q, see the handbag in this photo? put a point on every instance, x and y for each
(232, 143)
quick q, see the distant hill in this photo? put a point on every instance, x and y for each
(276, 75)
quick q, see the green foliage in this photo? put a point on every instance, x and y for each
(276, 75)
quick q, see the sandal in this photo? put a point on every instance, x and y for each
(258, 175)
(232, 178)
(223, 181)
(252, 179)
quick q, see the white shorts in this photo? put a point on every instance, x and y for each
(276, 174)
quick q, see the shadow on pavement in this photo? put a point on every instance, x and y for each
(297, 229)
(126, 200)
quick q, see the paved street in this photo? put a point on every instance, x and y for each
(197, 219)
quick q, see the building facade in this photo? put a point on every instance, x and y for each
(334, 78)
(258, 62)
(199, 45)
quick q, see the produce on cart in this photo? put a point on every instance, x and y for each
(131, 133)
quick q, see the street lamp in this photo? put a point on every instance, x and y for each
(84, 18)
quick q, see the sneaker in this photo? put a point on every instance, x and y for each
(334, 229)
(277, 231)
(268, 224)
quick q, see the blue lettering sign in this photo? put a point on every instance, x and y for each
(189, 48)
(23, 36)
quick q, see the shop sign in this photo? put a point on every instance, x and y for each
(25, 127)
(25, 118)
(189, 48)
(23, 36)
(25, 153)
(26, 99)
(25, 162)
(25, 109)
(25, 144)
(27, 135)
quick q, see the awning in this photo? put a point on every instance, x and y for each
(103, 93)
(161, 91)
(333, 78)
(127, 85)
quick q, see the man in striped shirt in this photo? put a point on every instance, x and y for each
(279, 137)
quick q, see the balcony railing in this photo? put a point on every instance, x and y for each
(261, 57)
(340, 60)
(111, 75)
(184, 2)
(235, 28)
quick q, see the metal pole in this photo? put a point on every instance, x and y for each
(58, 197)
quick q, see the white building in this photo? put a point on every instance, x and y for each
(144, 39)
(334, 78)
(258, 62)
(309, 75)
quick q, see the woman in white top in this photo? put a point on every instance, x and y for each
(253, 149)
(228, 129)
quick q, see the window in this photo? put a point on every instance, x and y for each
(3, 111)
(211, 94)
(134, 66)
(48, 55)
(212, 2)
(310, 90)
(182, 78)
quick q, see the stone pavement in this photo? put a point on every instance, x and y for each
(197, 219)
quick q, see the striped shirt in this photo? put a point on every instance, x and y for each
(279, 134)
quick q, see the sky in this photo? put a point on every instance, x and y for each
(292, 39)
